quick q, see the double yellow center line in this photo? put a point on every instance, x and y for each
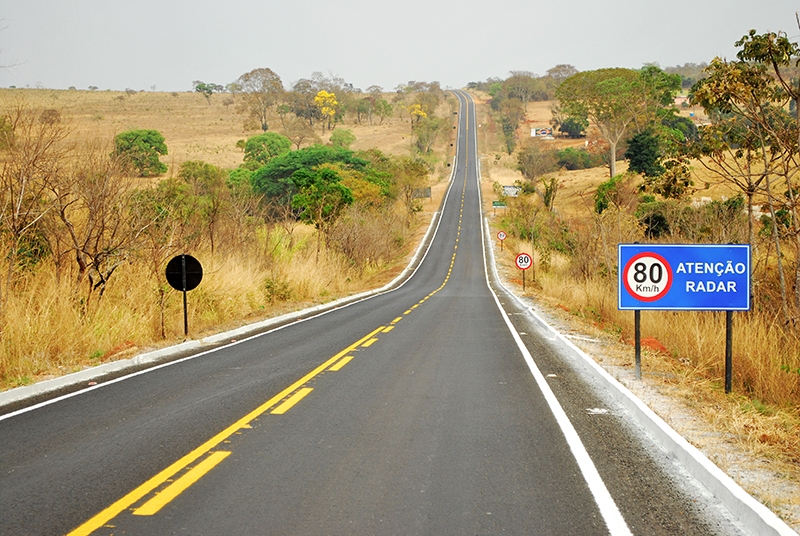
(210, 458)
(169, 493)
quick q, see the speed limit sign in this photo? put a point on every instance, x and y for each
(501, 236)
(647, 276)
(523, 261)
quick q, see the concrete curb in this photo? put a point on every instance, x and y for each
(753, 515)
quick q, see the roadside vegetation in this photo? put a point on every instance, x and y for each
(272, 189)
(705, 154)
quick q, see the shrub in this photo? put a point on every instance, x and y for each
(139, 151)
(573, 158)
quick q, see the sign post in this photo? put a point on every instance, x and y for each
(523, 262)
(694, 277)
(501, 236)
(184, 273)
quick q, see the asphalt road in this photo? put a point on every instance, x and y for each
(413, 412)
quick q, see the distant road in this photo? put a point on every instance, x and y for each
(419, 411)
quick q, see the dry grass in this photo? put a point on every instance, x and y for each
(48, 328)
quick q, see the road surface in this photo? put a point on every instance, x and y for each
(424, 410)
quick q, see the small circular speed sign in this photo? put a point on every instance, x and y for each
(523, 261)
(647, 276)
(501, 236)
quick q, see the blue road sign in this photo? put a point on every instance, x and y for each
(703, 277)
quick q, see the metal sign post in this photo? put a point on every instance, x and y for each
(523, 262)
(184, 273)
(501, 236)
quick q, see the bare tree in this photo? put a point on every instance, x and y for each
(32, 156)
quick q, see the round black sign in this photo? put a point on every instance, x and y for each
(184, 268)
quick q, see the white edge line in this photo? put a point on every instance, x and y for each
(751, 513)
(19, 394)
(605, 503)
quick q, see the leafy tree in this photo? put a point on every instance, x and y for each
(207, 89)
(574, 127)
(604, 96)
(139, 150)
(409, 174)
(416, 112)
(572, 158)
(260, 89)
(273, 179)
(342, 138)
(619, 99)
(260, 149)
(609, 193)
(755, 140)
(644, 154)
(426, 130)
(383, 109)
(301, 101)
(320, 198)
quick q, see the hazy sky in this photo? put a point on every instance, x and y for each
(139, 44)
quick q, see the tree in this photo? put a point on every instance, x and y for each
(426, 130)
(91, 201)
(343, 138)
(574, 127)
(408, 174)
(207, 89)
(320, 198)
(605, 96)
(260, 149)
(534, 160)
(327, 104)
(754, 141)
(299, 131)
(274, 179)
(32, 155)
(139, 150)
(644, 154)
(561, 72)
(383, 109)
(261, 89)
(209, 184)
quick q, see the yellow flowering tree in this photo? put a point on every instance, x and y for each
(416, 112)
(327, 104)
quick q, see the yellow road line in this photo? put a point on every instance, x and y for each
(155, 504)
(132, 497)
(369, 343)
(291, 401)
(388, 329)
(338, 366)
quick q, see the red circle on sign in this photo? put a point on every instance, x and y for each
(523, 261)
(660, 291)
(501, 235)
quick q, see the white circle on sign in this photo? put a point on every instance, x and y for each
(647, 276)
(501, 235)
(523, 261)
